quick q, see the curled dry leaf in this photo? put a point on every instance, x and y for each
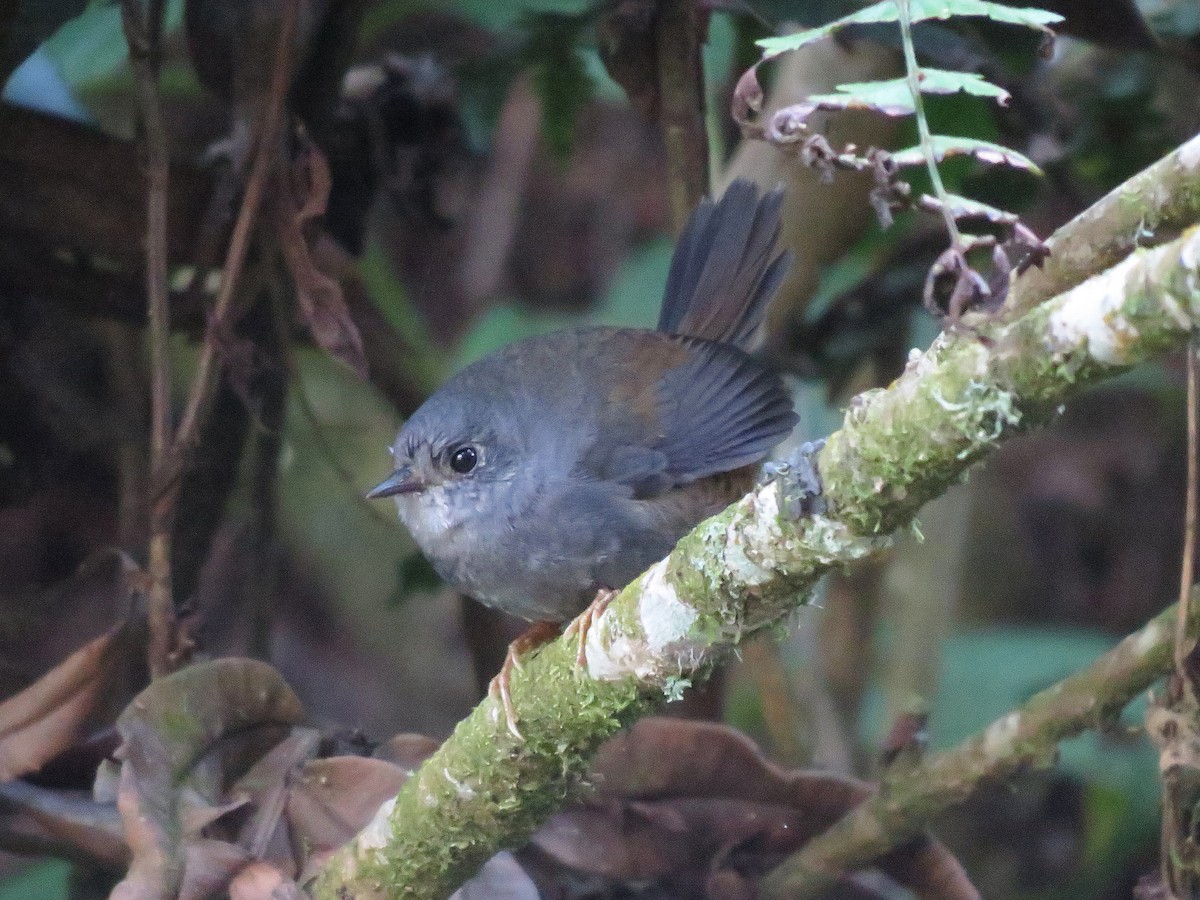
(183, 737)
(301, 195)
(48, 716)
(221, 792)
(747, 103)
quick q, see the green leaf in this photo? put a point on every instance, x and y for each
(560, 75)
(839, 277)
(922, 10)
(946, 81)
(90, 48)
(874, 14)
(966, 208)
(1027, 16)
(892, 98)
(414, 575)
(985, 151)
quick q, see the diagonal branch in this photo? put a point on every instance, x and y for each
(754, 564)
(1152, 206)
(1028, 736)
(265, 157)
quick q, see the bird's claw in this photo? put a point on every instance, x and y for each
(582, 623)
(498, 689)
(800, 481)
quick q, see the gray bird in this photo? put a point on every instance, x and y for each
(567, 464)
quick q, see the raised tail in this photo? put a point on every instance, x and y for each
(725, 269)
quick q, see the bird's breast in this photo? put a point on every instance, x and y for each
(428, 515)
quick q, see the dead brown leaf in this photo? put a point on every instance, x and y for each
(266, 787)
(220, 791)
(333, 799)
(209, 866)
(695, 808)
(65, 823)
(262, 881)
(501, 878)
(301, 196)
(48, 716)
(185, 737)
(407, 751)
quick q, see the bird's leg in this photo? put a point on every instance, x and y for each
(534, 636)
(582, 623)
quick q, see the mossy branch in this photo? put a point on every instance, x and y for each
(1026, 737)
(751, 566)
(1151, 207)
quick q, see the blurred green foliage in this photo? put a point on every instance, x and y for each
(90, 49)
(560, 75)
(47, 880)
(632, 301)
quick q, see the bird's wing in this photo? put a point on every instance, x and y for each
(681, 409)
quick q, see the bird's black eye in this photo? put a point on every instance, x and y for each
(463, 460)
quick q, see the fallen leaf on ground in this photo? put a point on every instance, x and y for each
(48, 716)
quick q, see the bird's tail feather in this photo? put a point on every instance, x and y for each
(725, 269)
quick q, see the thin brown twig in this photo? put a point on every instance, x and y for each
(1187, 568)
(143, 34)
(1171, 719)
(265, 156)
(681, 114)
(126, 372)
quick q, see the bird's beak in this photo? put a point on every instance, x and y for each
(402, 481)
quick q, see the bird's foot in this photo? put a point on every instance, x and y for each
(535, 636)
(582, 623)
(800, 480)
